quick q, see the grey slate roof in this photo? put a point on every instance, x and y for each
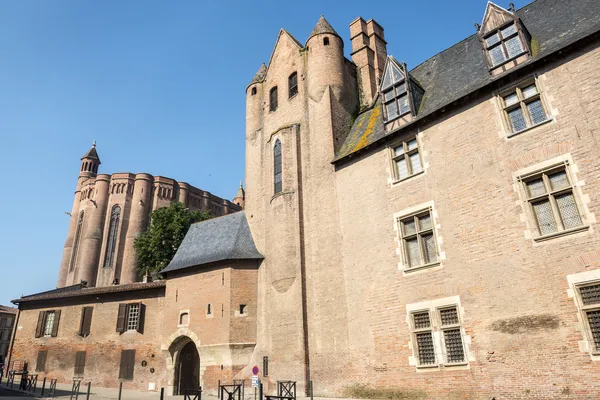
(260, 74)
(92, 153)
(462, 68)
(80, 290)
(8, 310)
(218, 239)
(322, 27)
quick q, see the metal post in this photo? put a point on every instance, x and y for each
(162, 393)
(43, 386)
(260, 390)
(120, 389)
(311, 390)
(219, 390)
(88, 392)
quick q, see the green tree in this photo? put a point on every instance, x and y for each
(156, 247)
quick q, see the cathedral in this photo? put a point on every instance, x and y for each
(427, 231)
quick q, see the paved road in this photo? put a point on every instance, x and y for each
(9, 394)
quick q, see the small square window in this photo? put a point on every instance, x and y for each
(523, 107)
(243, 309)
(418, 240)
(208, 309)
(406, 159)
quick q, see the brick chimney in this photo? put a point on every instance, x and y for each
(369, 54)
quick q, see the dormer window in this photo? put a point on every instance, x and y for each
(395, 95)
(504, 44)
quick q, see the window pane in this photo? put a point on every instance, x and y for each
(392, 110)
(454, 346)
(546, 222)
(421, 320)
(514, 46)
(425, 222)
(134, 312)
(449, 316)
(412, 144)
(590, 294)
(509, 30)
(536, 187)
(404, 106)
(49, 324)
(559, 180)
(491, 40)
(398, 74)
(409, 227)
(429, 248)
(536, 111)
(425, 350)
(401, 168)
(511, 99)
(387, 80)
(497, 55)
(516, 119)
(529, 91)
(568, 210)
(387, 96)
(412, 252)
(594, 322)
(400, 89)
(415, 163)
(399, 150)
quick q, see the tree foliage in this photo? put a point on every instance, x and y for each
(156, 247)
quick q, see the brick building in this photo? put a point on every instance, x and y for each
(429, 231)
(7, 320)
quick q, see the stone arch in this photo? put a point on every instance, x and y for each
(171, 349)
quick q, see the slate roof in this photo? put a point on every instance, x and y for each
(260, 74)
(7, 310)
(92, 153)
(80, 290)
(322, 27)
(462, 69)
(218, 239)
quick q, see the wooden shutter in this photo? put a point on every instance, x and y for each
(127, 364)
(141, 317)
(86, 321)
(121, 318)
(41, 361)
(79, 363)
(39, 330)
(56, 321)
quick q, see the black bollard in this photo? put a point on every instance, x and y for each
(88, 392)
(43, 386)
(120, 389)
(162, 393)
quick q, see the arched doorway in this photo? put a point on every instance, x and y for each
(187, 369)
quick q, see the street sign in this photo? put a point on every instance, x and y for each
(255, 381)
(255, 370)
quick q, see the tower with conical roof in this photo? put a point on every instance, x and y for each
(240, 196)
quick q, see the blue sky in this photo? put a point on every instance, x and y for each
(161, 86)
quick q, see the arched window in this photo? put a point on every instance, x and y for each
(326, 41)
(253, 91)
(113, 230)
(273, 99)
(277, 166)
(76, 242)
(293, 84)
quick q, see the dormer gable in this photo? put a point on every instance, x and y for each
(400, 94)
(504, 39)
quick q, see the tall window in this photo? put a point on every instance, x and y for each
(504, 44)
(133, 317)
(431, 349)
(552, 201)
(277, 166)
(589, 300)
(406, 159)
(293, 84)
(49, 324)
(76, 242)
(113, 230)
(418, 240)
(523, 107)
(273, 99)
(395, 95)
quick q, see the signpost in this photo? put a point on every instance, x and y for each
(255, 379)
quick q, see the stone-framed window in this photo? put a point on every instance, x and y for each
(406, 159)
(184, 318)
(552, 201)
(273, 99)
(418, 243)
(523, 107)
(277, 169)
(49, 323)
(504, 44)
(293, 85)
(588, 296)
(133, 317)
(437, 334)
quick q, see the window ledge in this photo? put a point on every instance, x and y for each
(428, 366)
(408, 177)
(456, 364)
(424, 266)
(293, 97)
(562, 233)
(513, 134)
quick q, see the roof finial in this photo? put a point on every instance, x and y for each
(477, 27)
(94, 144)
(511, 7)
(241, 185)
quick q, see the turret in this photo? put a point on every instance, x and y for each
(254, 100)
(90, 163)
(240, 196)
(325, 61)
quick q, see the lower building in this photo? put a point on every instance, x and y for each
(7, 320)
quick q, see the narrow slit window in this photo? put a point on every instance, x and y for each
(253, 91)
(273, 99)
(293, 84)
(326, 41)
(277, 171)
(113, 230)
(75, 249)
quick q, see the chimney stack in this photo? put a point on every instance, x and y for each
(369, 54)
